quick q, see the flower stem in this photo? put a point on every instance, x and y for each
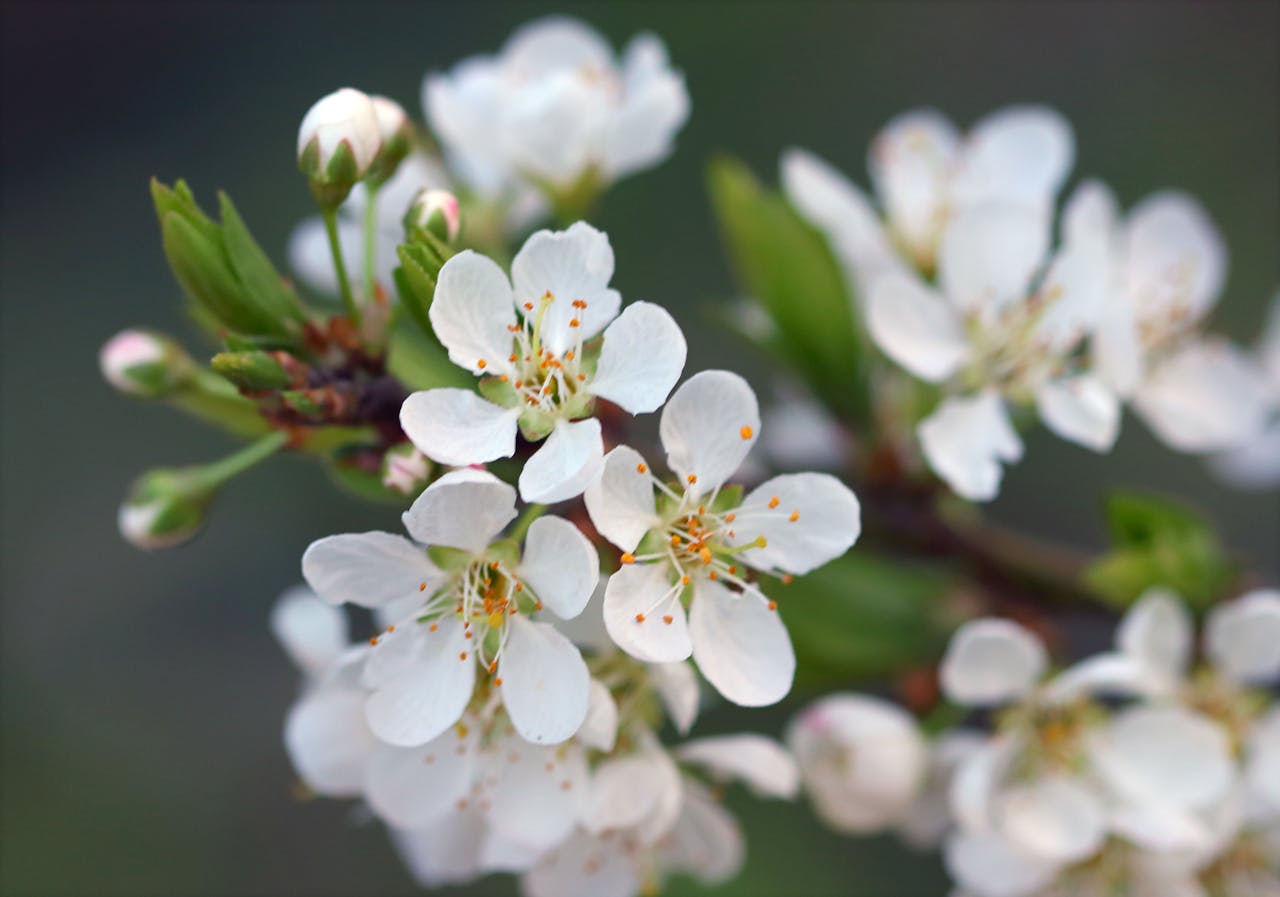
(255, 452)
(530, 514)
(370, 241)
(340, 266)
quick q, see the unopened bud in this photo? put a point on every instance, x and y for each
(337, 142)
(396, 132)
(437, 213)
(144, 364)
(254, 369)
(405, 469)
(165, 508)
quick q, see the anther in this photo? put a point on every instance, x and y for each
(746, 432)
(729, 518)
(692, 478)
(422, 587)
(684, 580)
(795, 515)
(574, 322)
(773, 502)
(667, 618)
(498, 681)
(773, 605)
(642, 468)
(462, 656)
(787, 579)
(628, 558)
(373, 641)
(639, 618)
(482, 364)
(433, 627)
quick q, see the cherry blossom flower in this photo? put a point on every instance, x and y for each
(1256, 463)
(863, 761)
(691, 545)
(555, 107)
(344, 121)
(1166, 266)
(1006, 325)
(924, 173)
(531, 339)
(479, 607)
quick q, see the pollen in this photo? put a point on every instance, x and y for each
(639, 618)
(495, 618)
(628, 558)
(642, 468)
(795, 515)
(773, 502)
(746, 432)
(705, 553)
(675, 541)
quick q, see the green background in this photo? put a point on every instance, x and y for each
(142, 695)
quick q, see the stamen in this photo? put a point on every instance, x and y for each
(482, 364)
(628, 558)
(692, 478)
(773, 502)
(746, 432)
(642, 468)
(795, 515)
(639, 618)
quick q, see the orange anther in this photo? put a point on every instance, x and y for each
(773, 502)
(746, 432)
(482, 364)
(498, 681)
(684, 580)
(639, 618)
(795, 515)
(574, 322)
(528, 306)
(374, 640)
(511, 357)
(462, 656)
(642, 468)
(493, 666)
(712, 575)
(773, 605)
(675, 541)
(391, 628)
(433, 627)
(787, 579)
(628, 558)
(692, 478)
(705, 554)
(667, 619)
(422, 587)
(729, 518)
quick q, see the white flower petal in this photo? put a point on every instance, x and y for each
(423, 681)
(328, 742)
(367, 569)
(1157, 631)
(464, 509)
(1242, 637)
(600, 728)
(837, 207)
(312, 633)
(642, 131)
(965, 440)
(1254, 465)
(456, 426)
(1109, 673)
(760, 762)
(987, 865)
(1091, 214)
(443, 852)
(1175, 261)
(552, 43)
(1164, 754)
(991, 662)
(740, 645)
(708, 427)
(638, 590)
(706, 841)
(620, 501)
(807, 519)
(989, 255)
(677, 686)
(560, 565)
(1206, 397)
(1019, 154)
(1081, 409)
(916, 327)
(1154, 825)
(911, 161)
(412, 787)
(863, 760)
(979, 779)
(584, 866)
(622, 792)
(540, 793)
(1263, 761)
(1055, 818)
(565, 465)
(572, 265)
(641, 359)
(471, 313)
(545, 683)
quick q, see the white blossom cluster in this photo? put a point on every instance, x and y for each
(1131, 772)
(961, 282)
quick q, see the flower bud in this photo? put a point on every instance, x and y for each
(396, 132)
(436, 212)
(165, 508)
(337, 142)
(256, 369)
(405, 469)
(144, 364)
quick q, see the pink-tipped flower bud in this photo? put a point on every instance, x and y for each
(144, 364)
(437, 212)
(405, 470)
(337, 142)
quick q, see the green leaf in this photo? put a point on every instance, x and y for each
(261, 283)
(419, 362)
(863, 617)
(365, 484)
(786, 265)
(1158, 542)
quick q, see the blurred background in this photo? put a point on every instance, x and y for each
(142, 695)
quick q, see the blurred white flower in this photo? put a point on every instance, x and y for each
(925, 173)
(1167, 264)
(863, 761)
(1256, 464)
(480, 609)
(685, 547)
(529, 336)
(555, 106)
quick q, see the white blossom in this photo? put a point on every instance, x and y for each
(555, 106)
(531, 338)
(1256, 463)
(863, 761)
(481, 610)
(682, 590)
